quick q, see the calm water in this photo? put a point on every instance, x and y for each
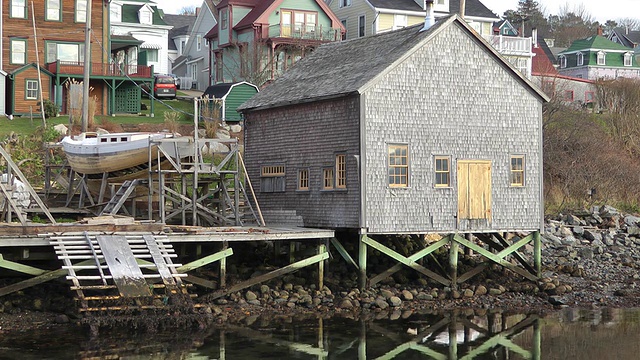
(569, 334)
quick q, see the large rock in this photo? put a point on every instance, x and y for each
(592, 235)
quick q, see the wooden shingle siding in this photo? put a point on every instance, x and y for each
(307, 136)
(439, 102)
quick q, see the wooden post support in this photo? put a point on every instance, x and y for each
(453, 334)
(362, 344)
(223, 267)
(322, 248)
(362, 261)
(537, 340)
(453, 263)
(537, 253)
(343, 252)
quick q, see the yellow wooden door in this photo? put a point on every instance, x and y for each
(474, 189)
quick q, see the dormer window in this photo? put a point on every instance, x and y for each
(628, 59)
(116, 12)
(224, 19)
(563, 61)
(580, 59)
(145, 15)
(601, 58)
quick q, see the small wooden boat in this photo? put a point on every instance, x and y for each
(94, 153)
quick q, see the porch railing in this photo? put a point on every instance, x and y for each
(304, 32)
(510, 44)
(100, 69)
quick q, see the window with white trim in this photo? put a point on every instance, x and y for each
(361, 26)
(194, 71)
(198, 42)
(53, 10)
(344, 3)
(580, 59)
(19, 9)
(81, 11)
(18, 50)
(602, 58)
(628, 59)
(152, 55)
(31, 89)
(344, 23)
(224, 19)
(73, 52)
(563, 61)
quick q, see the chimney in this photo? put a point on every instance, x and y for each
(197, 11)
(462, 8)
(534, 37)
(429, 19)
(599, 30)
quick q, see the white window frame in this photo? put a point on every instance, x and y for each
(399, 21)
(344, 3)
(563, 61)
(628, 59)
(116, 12)
(364, 26)
(580, 58)
(194, 71)
(50, 9)
(18, 9)
(23, 53)
(198, 42)
(602, 58)
(33, 90)
(81, 14)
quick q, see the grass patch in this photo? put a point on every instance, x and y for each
(26, 127)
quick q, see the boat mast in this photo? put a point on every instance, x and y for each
(87, 67)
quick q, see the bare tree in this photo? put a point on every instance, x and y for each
(187, 10)
(629, 23)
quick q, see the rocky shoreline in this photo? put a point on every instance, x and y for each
(590, 259)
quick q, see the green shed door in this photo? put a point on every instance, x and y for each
(127, 100)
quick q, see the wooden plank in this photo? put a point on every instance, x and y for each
(122, 266)
(343, 252)
(463, 189)
(406, 261)
(25, 269)
(48, 276)
(158, 259)
(270, 275)
(205, 260)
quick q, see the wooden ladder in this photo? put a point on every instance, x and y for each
(120, 197)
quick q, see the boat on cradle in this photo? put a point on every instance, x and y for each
(97, 153)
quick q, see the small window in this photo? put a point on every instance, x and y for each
(601, 58)
(344, 3)
(344, 23)
(443, 171)
(327, 178)
(81, 11)
(103, 140)
(224, 19)
(272, 179)
(517, 170)
(18, 51)
(580, 59)
(113, 139)
(19, 9)
(341, 171)
(563, 61)
(589, 97)
(568, 95)
(32, 90)
(303, 180)
(199, 42)
(628, 59)
(398, 165)
(152, 55)
(123, 139)
(361, 23)
(53, 10)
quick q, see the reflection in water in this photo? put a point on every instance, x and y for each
(570, 334)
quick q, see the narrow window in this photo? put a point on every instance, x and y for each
(327, 176)
(601, 58)
(398, 165)
(219, 67)
(361, 23)
(628, 59)
(443, 171)
(224, 19)
(341, 171)
(194, 71)
(568, 95)
(18, 51)
(81, 11)
(32, 90)
(303, 179)
(589, 96)
(344, 23)
(563, 61)
(580, 59)
(272, 179)
(19, 9)
(517, 170)
(199, 42)
(52, 12)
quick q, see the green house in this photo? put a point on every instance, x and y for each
(231, 95)
(597, 57)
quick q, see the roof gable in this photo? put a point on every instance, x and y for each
(349, 67)
(261, 11)
(473, 8)
(594, 42)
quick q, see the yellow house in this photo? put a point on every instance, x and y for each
(369, 17)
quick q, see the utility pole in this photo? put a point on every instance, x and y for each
(87, 67)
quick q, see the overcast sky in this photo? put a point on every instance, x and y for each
(601, 10)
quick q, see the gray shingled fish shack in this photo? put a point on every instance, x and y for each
(416, 131)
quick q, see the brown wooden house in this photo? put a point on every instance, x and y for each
(56, 51)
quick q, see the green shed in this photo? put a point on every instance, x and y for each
(232, 96)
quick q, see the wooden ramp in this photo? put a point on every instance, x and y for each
(119, 271)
